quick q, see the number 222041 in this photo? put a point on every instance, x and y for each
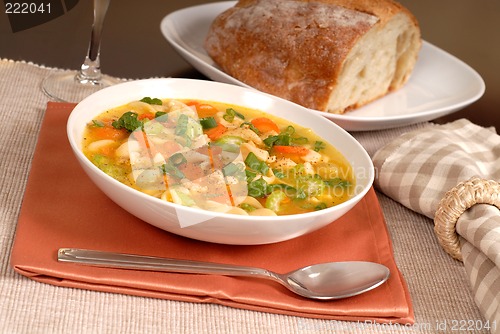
(27, 8)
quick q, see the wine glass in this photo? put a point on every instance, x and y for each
(76, 85)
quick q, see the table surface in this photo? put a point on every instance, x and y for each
(133, 47)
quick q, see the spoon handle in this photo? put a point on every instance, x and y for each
(150, 263)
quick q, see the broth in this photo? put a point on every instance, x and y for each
(218, 157)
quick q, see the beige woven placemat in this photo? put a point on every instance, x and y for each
(449, 173)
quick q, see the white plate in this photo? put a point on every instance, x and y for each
(440, 83)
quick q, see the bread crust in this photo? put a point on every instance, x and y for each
(295, 49)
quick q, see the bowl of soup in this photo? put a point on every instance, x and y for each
(217, 162)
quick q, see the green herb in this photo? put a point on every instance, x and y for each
(239, 115)
(250, 175)
(319, 145)
(153, 128)
(184, 141)
(149, 100)
(300, 194)
(232, 169)
(231, 113)
(269, 141)
(208, 122)
(298, 170)
(193, 128)
(162, 114)
(177, 159)
(274, 200)
(300, 140)
(105, 164)
(254, 163)
(289, 190)
(247, 207)
(258, 188)
(171, 167)
(337, 182)
(172, 170)
(283, 139)
(230, 143)
(310, 185)
(290, 130)
(97, 123)
(128, 121)
(320, 206)
(181, 127)
(251, 127)
(183, 197)
(279, 173)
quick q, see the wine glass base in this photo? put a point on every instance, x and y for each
(64, 87)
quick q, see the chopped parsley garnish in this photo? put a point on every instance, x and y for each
(150, 100)
(128, 121)
(161, 114)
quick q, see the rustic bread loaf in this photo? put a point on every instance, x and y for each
(327, 55)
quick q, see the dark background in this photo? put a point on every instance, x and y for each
(133, 46)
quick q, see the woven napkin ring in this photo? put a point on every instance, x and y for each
(455, 202)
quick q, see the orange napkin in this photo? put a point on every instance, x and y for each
(63, 208)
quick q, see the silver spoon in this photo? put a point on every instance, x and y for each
(333, 280)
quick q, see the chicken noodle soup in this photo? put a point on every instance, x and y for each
(218, 157)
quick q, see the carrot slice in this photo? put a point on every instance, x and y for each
(297, 150)
(215, 133)
(147, 115)
(192, 103)
(264, 124)
(203, 109)
(109, 132)
(206, 110)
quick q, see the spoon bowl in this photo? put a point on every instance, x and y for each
(335, 280)
(324, 281)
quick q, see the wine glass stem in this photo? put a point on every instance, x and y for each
(90, 72)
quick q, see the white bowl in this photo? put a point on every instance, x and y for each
(205, 225)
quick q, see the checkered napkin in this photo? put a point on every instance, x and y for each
(449, 173)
